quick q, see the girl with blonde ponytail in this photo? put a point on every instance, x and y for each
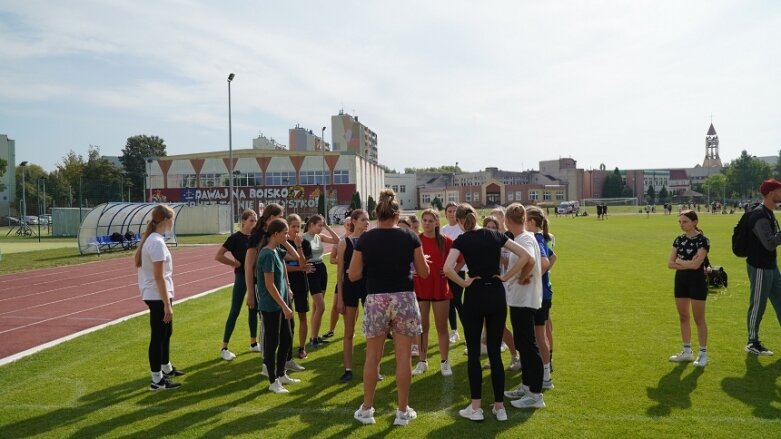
(155, 282)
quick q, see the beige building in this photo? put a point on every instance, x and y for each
(349, 135)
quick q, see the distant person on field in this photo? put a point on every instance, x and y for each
(691, 288)
(762, 263)
(155, 281)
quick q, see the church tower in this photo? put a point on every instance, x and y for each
(712, 159)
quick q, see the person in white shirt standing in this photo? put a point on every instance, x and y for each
(155, 281)
(452, 230)
(524, 296)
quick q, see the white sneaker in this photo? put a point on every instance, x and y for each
(403, 418)
(444, 369)
(276, 387)
(295, 367)
(420, 368)
(471, 414)
(454, 336)
(256, 348)
(529, 401)
(365, 417)
(547, 384)
(284, 379)
(415, 351)
(682, 357)
(501, 414)
(264, 372)
(503, 347)
(227, 355)
(516, 392)
(483, 349)
(702, 360)
(515, 364)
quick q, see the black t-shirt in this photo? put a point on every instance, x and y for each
(237, 244)
(482, 249)
(255, 237)
(387, 258)
(687, 248)
(306, 248)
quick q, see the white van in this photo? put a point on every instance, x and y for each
(568, 208)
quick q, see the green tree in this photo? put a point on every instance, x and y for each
(102, 181)
(31, 174)
(371, 206)
(134, 155)
(437, 203)
(445, 169)
(321, 204)
(663, 195)
(777, 169)
(3, 169)
(650, 194)
(714, 186)
(745, 174)
(355, 203)
(612, 187)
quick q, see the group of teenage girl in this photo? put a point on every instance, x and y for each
(461, 273)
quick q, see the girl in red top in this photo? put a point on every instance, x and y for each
(434, 291)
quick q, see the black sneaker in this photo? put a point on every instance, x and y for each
(348, 376)
(322, 341)
(173, 373)
(756, 348)
(163, 384)
(328, 334)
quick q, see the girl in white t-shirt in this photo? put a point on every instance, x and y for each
(155, 281)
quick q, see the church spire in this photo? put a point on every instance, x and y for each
(712, 159)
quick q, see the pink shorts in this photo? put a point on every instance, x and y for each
(391, 311)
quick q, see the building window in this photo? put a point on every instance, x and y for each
(509, 196)
(187, 180)
(518, 196)
(451, 197)
(248, 179)
(403, 188)
(280, 178)
(313, 177)
(425, 199)
(395, 188)
(214, 180)
(476, 197)
(560, 195)
(468, 196)
(546, 196)
(342, 177)
(533, 195)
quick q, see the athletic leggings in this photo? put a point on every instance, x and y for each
(237, 302)
(522, 320)
(160, 341)
(456, 303)
(277, 343)
(485, 301)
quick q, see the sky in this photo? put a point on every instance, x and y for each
(628, 84)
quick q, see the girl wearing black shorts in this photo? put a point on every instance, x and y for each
(691, 289)
(484, 302)
(349, 293)
(298, 281)
(318, 279)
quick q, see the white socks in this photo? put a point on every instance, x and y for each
(167, 368)
(157, 376)
(546, 372)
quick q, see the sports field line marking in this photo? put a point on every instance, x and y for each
(47, 345)
(347, 412)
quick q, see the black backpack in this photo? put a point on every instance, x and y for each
(741, 234)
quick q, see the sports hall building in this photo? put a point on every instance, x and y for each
(270, 172)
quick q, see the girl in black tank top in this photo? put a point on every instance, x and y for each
(349, 293)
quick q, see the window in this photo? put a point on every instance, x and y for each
(313, 177)
(425, 199)
(213, 180)
(403, 188)
(533, 195)
(342, 177)
(187, 180)
(509, 196)
(395, 188)
(248, 179)
(518, 196)
(451, 197)
(476, 197)
(468, 196)
(280, 178)
(559, 195)
(546, 196)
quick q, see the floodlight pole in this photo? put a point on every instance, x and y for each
(325, 188)
(23, 165)
(230, 154)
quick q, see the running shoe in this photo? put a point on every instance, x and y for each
(503, 347)
(163, 384)
(756, 348)
(302, 354)
(174, 372)
(380, 377)
(415, 351)
(454, 336)
(346, 377)
(321, 340)
(284, 379)
(256, 348)
(515, 364)
(314, 343)
(501, 414)
(530, 401)
(295, 367)
(682, 357)
(444, 369)
(227, 355)
(547, 384)
(365, 417)
(328, 334)
(702, 360)
(516, 392)
(264, 371)
(277, 387)
(471, 414)
(403, 418)
(420, 368)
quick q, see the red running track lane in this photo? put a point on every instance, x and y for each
(39, 306)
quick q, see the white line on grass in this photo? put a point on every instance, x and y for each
(39, 348)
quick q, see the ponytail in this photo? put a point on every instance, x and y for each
(271, 209)
(466, 213)
(276, 226)
(160, 213)
(388, 207)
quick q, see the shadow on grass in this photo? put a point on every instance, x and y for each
(758, 388)
(673, 390)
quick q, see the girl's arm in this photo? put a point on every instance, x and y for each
(672, 261)
(355, 272)
(552, 258)
(522, 266)
(696, 262)
(450, 272)
(268, 279)
(331, 237)
(421, 266)
(162, 290)
(335, 251)
(545, 264)
(340, 275)
(249, 275)
(220, 257)
(292, 254)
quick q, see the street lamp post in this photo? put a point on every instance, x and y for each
(149, 174)
(325, 188)
(40, 203)
(230, 154)
(23, 165)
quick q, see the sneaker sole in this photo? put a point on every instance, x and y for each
(365, 421)
(471, 418)
(761, 354)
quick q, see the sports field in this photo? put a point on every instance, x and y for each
(614, 327)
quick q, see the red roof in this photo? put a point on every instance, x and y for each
(678, 174)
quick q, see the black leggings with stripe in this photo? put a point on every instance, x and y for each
(277, 342)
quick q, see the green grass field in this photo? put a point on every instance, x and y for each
(615, 326)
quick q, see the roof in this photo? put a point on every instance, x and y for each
(678, 174)
(711, 130)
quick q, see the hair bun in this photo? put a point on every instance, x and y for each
(387, 196)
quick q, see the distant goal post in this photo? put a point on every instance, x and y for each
(630, 201)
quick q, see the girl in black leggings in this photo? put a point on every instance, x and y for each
(484, 303)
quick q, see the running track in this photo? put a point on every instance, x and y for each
(40, 306)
